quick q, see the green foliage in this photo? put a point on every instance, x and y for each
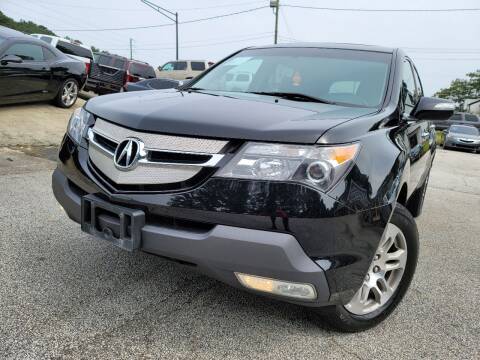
(28, 27)
(461, 89)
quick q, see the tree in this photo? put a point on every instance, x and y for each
(462, 89)
(27, 27)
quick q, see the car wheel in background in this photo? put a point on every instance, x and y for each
(386, 281)
(68, 94)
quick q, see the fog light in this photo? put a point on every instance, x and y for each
(278, 287)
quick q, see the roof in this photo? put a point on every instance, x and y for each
(10, 33)
(70, 41)
(344, 46)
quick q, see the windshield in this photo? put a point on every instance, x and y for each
(468, 130)
(340, 76)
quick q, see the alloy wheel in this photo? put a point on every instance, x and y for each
(384, 274)
(69, 93)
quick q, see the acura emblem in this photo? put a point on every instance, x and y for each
(127, 154)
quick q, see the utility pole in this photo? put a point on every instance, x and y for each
(275, 4)
(173, 16)
(131, 49)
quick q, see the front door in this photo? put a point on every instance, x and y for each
(420, 135)
(25, 81)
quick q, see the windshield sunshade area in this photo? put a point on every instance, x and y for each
(340, 76)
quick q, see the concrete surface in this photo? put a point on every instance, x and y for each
(67, 295)
(38, 124)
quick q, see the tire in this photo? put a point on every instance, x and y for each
(68, 93)
(339, 318)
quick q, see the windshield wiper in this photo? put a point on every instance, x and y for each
(193, 89)
(293, 96)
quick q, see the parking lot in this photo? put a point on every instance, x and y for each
(65, 294)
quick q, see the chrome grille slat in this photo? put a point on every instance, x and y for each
(141, 175)
(148, 172)
(160, 141)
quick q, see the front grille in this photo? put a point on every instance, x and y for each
(160, 141)
(167, 162)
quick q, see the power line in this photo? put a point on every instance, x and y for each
(223, 38)
(146, 10)
(379, 10)
(163, 25)
(200, 45)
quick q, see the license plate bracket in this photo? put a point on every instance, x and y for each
(120, 225)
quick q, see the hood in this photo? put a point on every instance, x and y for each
(465, 136)
(245, 116)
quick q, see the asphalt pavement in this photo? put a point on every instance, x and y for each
(64, 294)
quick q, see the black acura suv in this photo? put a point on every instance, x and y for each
(292, 171)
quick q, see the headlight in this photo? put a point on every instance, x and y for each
(78, 124)
(319, 166)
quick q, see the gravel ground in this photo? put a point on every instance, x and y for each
(64, 294)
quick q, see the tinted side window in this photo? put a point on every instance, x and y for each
(48, 55)
(456, 117)
(104, 60)
(72, 49)
(47, 39)
(28, 52)
(181, 65)
(418, 83)
(168, 67)
(119, 63)
(143, 71)
(470, 117)
(408, 87)
(198, 66)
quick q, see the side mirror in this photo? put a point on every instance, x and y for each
(429, 108)
(11, 59)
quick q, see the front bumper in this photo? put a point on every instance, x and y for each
(220, 251)
(455, 143)
(283, 231)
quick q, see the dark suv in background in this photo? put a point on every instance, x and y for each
(110, 73)
(459, 118)
(301, 185)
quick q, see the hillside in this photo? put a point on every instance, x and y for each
(27, 27)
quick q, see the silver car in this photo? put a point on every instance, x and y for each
(462, 137)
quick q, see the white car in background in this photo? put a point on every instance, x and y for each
(71, 48)
(182, 69)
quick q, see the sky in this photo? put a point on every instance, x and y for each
(443, 45)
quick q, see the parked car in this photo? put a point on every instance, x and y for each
(183, 69)
(302, 187)
(32, 70)
(153, 84)
(465, 137)
(69, 47)
(110, 73)
(458, 118)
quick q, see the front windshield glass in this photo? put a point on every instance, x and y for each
(341, 76)
(468, 130)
